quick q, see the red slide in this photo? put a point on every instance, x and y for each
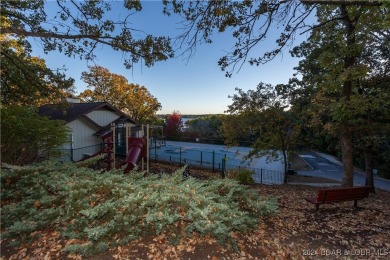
(108, 148)
(137, 150)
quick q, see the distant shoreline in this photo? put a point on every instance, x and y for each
(190, 115)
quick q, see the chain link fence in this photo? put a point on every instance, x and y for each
(218, 161)
(76, 154)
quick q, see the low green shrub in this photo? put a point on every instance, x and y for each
(243, 176)
(108, 209)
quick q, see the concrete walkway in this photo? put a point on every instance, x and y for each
(327, 166)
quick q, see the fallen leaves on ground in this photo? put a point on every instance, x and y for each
(297, 231)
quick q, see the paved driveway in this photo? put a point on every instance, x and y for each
(326, 166)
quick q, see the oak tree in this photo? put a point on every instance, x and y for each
(204, 127)
(25, 79)
(250, 23)
(75, 28)
(79, 28)
(349, 75)
(133, 99)
(263, 113)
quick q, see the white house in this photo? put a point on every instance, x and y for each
(88, 122)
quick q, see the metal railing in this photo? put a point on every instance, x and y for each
(267, 176)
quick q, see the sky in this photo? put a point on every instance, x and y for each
(190, 86)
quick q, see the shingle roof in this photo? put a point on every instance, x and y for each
(106, 128)
(75, 110)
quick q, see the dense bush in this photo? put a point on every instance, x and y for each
(106, 209)
(27, 137)
(243, 176)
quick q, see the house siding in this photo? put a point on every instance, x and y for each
(103, 117)
(84, 142)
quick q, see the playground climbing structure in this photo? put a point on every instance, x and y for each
(136, 149)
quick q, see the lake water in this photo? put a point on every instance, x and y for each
(185, 119)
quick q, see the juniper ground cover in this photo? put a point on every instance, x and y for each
(98, 211)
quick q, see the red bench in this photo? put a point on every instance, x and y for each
(339, 195)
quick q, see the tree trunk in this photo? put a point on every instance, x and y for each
(346, 152)
(284, 151)
(345, 131)
(369, 170)
(285, 166)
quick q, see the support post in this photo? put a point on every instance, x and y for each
(213, 160)
(71, 147)
(180, 158)
(127, 128)
(261, 175)
(155, 150)
(113, 146)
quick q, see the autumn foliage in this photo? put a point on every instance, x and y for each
(173, 127)
(133, 99)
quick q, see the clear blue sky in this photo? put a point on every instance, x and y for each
(195, 86)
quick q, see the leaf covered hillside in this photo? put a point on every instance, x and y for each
(97, 211)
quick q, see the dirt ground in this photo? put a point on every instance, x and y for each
(296, 231)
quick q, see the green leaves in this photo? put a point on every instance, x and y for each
(346, 67)
(27, 137)
(248, 22)
(263, 118)
(78, 28)
(25, 80)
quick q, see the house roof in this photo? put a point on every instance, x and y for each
(75, 110)
(107, 128)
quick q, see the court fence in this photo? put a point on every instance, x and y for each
(218, 162)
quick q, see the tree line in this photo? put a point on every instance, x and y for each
(339, 96)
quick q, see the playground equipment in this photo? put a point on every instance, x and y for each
(108, 148)
(136, 149)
